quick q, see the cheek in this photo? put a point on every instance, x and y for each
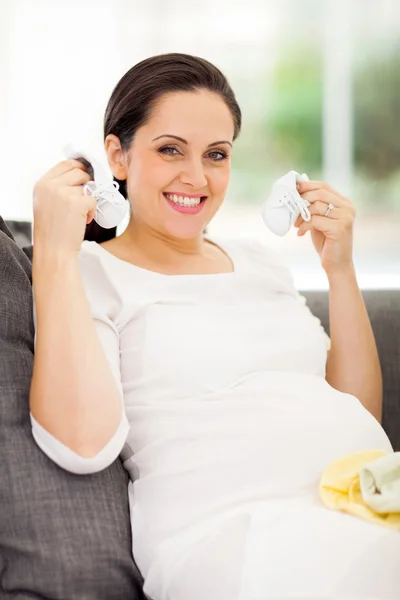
(161, 173)
(219, 179)
(149, 172)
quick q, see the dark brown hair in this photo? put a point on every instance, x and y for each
(138, 91)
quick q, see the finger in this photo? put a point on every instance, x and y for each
(320, 208)
(89, 207)
(63, 167)
(75, 177)
(86, 203)
(343, 212)
(331, 228)
(91, 215)
(323, 195)
(310, 186)
(298, 221)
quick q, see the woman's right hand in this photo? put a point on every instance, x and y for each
(61, 210)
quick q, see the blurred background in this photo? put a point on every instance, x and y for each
(318, 82)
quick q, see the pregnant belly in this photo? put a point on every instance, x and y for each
(294, 551)
(265, 440)
(328, 555)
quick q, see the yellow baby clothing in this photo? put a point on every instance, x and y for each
(339, 487)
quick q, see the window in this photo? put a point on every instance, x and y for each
(318, 83)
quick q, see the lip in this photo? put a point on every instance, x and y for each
(186, 210)
(185, 194)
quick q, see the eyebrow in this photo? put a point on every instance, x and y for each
(176, 137)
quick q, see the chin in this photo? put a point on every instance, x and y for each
(187, 231)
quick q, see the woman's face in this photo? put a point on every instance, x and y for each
(178, 166)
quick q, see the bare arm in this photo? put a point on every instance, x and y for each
(353, 363)
(73, 395)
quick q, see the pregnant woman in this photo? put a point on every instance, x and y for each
(197, 361)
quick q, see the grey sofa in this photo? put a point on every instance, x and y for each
(62, 537)
(65, 537)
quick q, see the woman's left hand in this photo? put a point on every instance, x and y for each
(332, 234)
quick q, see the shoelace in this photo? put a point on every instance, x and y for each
(295, 203)
(104, 193)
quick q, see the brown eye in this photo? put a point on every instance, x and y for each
(169, 150)
(217, 155)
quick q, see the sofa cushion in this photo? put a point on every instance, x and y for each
(62, 536)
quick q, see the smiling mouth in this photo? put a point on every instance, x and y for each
(185, 201)
(185, 205)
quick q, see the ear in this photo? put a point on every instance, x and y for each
(116, 157)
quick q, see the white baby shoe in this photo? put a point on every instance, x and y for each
(284, 204)
(112, 207)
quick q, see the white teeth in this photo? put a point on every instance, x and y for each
(183, 200)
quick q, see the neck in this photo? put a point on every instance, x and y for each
(159, 247)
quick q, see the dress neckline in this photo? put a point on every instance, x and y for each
(112, 258)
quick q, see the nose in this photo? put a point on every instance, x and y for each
(193, 174)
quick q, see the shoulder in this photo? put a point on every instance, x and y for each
(95, 257)
(88, 249)
(257, 248)
(259, 252)
(100, 280)
(255, 257)
(91, 262)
